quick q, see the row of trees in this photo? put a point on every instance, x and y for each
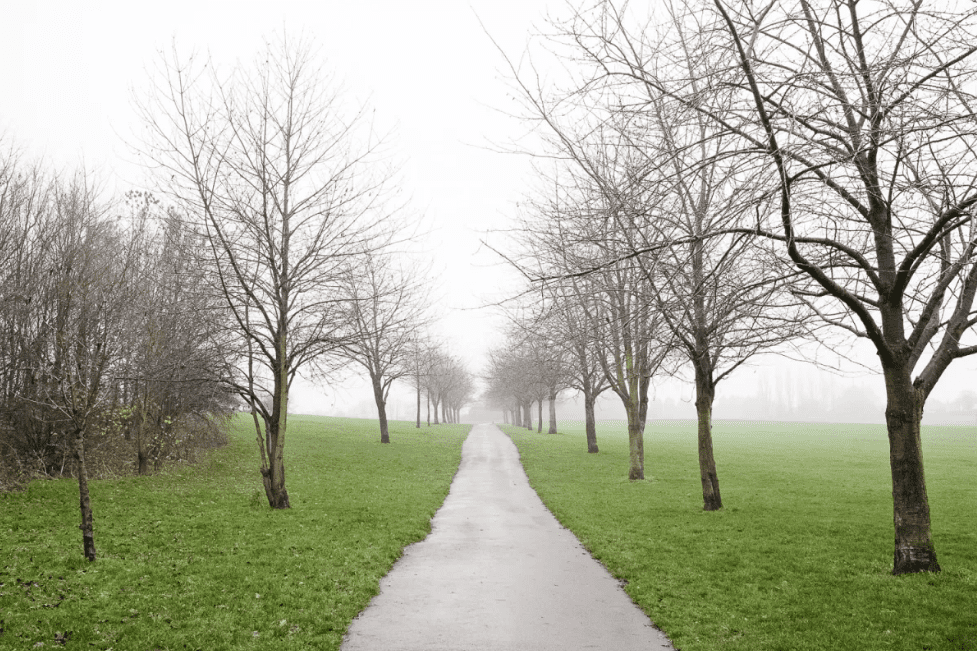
(268, 248)
(287, 185)
(732, 175)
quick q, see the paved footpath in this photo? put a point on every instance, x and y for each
(499, 572)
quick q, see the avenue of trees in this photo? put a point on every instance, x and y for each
(721, 178)
(135, 326)
(288, 188)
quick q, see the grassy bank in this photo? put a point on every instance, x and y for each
(195, 559)
(800, 558)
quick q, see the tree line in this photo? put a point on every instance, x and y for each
(720, 178)
(267, 244)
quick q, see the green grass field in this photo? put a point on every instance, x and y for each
(194, 558)
(800, 557)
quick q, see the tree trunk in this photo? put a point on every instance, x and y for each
(591, 424)
(428, 396)
(436, 403)
(704, 396)
(552, 429)
(381, 411)
(540, 430)
(527, 414)
(637, 410)
(87, 535)
(418, 403)
(274, 475)
(636, 446)
(142, 455)
(914, 550)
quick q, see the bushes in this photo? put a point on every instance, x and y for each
(110, 338)
(34, 449)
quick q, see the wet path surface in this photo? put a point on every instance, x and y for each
(499, 572)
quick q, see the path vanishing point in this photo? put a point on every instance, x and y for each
(498, 572)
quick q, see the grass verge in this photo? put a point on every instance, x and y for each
(799, 558)
(195, 559)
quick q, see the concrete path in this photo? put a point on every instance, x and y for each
(499, 572)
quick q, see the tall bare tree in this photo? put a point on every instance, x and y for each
(90, 293)
(863, 117)
(872, 135)
(280, 177)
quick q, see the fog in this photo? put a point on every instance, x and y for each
(772, 389)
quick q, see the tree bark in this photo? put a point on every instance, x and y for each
(591, 424)
(914, 550)
(87, 534)
(381, 410)
(418, 403)
(704, 395)
(637, 414)
(552, 429)
(636, 446)
(273, 476)
(540, 426)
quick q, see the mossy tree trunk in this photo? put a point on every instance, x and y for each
(591, 424)
(636, 445)
(86, 526)
(273, 470)
(705, 395)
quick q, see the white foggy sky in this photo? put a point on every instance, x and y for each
(426, 67)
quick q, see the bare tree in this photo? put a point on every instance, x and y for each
(448, 384)
(510, 379)
(573, 309)
(460, 391)
(90, 293)
(863, 119)
(278, 174)
(171, 384)
(660, 165)
(872, 137)
(383, 312)
(864, 116)
(723, 295)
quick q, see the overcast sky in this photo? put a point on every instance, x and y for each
(427, 67)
